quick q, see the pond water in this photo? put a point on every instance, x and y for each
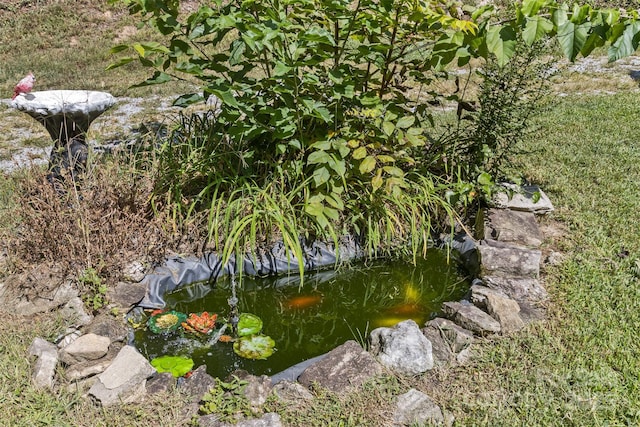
(331, 308)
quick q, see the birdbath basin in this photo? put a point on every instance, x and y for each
(67, 115)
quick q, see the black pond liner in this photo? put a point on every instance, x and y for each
(318, 256)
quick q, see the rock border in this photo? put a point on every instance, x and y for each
(506, 295)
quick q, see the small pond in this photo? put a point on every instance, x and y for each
(331, 308)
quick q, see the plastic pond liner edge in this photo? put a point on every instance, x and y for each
(179, 271)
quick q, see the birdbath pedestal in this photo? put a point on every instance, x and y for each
(67, 115)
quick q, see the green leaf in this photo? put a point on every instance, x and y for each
(188, 99)
(627, 43)
(176, 365)
(281, 69)
(318, 35)
(536, 28)
(249, 324)
(256, 347)
(388, 128)
(377, 181)
(318, 157)
(120, 63)
(572, 38)
(359, 153)
(158, 78)
(405, 122)
(367, 165)
(501, 41)
(531, 7)
(320, 176)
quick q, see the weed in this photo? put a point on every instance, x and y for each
(93, 290)
(226, 400)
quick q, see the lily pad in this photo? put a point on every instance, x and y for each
(176, 365)
(249, 324)
(257, 347)
(166, 322)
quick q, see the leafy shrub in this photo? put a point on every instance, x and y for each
(327, 102)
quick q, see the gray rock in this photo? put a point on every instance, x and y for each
(522, 199)
(70, 335)
(44, 369)
(198, 384)
(457, 337)
(471, 317)
(442, 354)
(499, 306)
(415, 407)
(505, 225)
(464, 356)
(127, 294)
(345, 367)
(86, 369)
(506, 260)
(75, 313)
(257, 388)
(532, 312)
(86, 347)
(107, 326)
(89, 368)
(161, 383)
(134, 272)
(403, 349)
(520, 289)
(40, 345)
(45, 301)
(292, 392)
(124, 380)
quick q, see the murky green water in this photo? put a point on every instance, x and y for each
(329, 309)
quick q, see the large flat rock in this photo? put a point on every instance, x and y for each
(124, 380)
(521, 289)
(507, 260)
(502, 308)
(506, 225)
(471, 317)
(529, 198)
(344, 368)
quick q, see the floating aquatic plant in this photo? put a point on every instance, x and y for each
(249, 324)
(178, 366)
(203, 323)
(166, 322)
(257, 347)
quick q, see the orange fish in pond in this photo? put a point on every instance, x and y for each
(302, 301)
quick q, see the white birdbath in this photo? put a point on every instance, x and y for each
(67, 115)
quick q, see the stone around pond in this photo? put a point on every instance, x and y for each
(471, 317)
(344, 368)
(404, 349)
(499, 306)
(506, 260)
(415, 407)
(124, 380)
(44, 369)
(198, 384)
(505, 225)
(528, 198)
(520, 289)
(86, 347)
